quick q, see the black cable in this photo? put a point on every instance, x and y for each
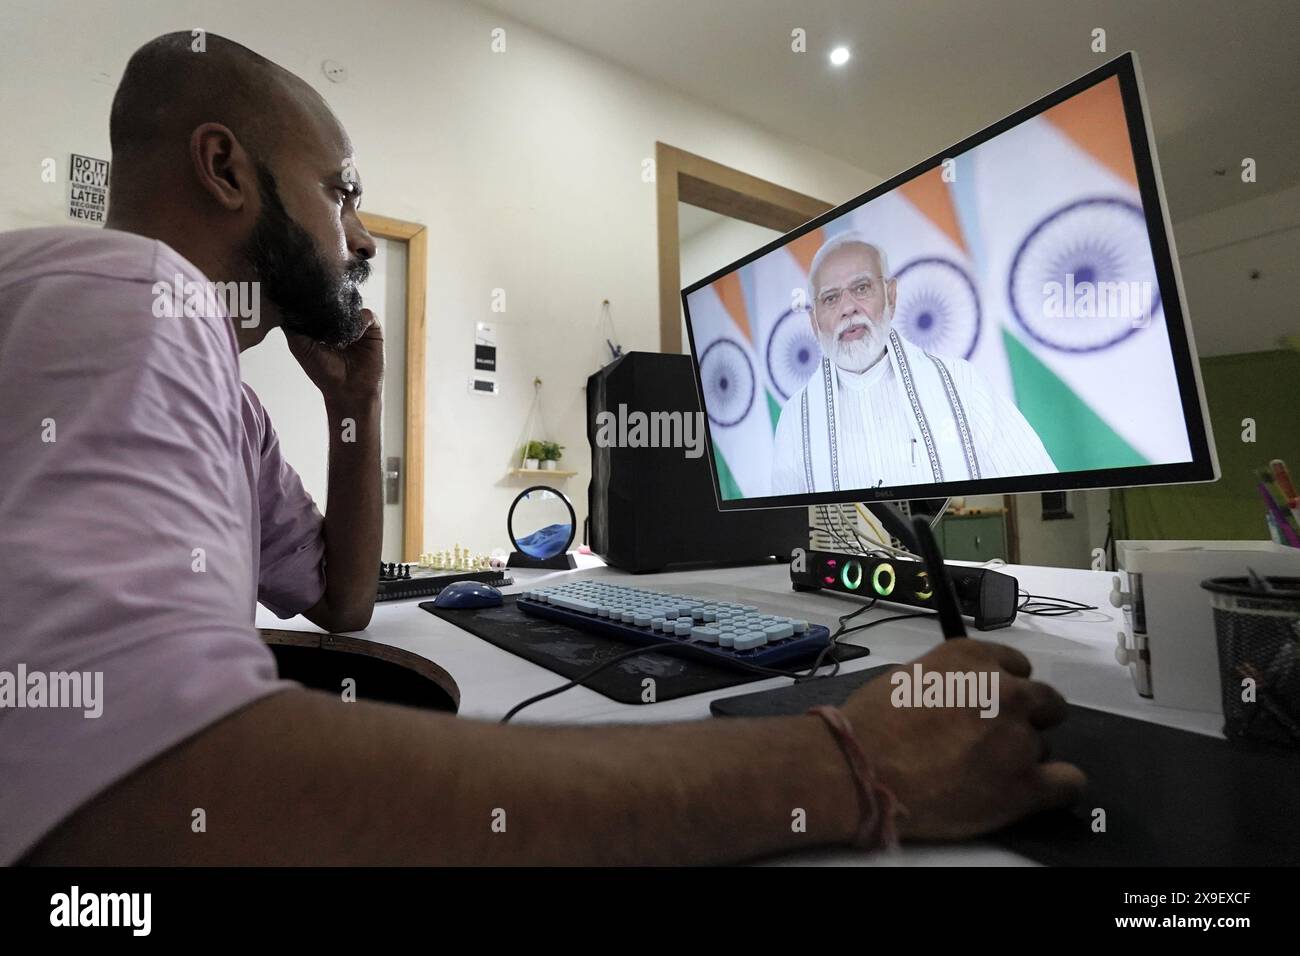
(832, 646)
(876, 549)
(812, 675)
(847, 546)
(834, 531)
(895, 617)
(832, 526)
(1039, 605)
(664, 648)
(839, 534)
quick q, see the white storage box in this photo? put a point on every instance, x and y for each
(1168, 614)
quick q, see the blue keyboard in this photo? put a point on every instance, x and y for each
(717, 631)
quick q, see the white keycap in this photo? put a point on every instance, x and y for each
(709, 635)
(778, 632)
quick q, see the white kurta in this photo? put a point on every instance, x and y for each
(879, 436)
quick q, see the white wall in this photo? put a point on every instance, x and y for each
(1063, 542)
(710, 249)
(526, 165)
(1230, 311)
(719, 245)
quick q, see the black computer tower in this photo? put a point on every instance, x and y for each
(651, 508)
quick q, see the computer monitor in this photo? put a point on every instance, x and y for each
(1006, 316)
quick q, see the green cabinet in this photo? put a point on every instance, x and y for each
(973, 537)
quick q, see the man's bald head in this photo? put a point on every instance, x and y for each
(173, 84)
(241, 167)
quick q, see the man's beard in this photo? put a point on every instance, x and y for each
(296, 279)
(857, 355)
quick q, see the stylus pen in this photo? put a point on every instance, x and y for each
(945, 598)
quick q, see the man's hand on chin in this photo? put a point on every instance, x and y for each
(350, 374)
(349, 379)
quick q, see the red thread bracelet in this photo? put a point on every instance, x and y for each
(877, 804)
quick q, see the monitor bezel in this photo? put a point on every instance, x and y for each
(1202, 467)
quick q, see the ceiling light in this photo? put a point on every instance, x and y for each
(840, 55)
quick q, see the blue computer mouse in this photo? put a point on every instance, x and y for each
(468, 594)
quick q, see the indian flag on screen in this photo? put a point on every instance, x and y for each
(939, 306)
(776, 298)
(1052, 211)
(735, 400)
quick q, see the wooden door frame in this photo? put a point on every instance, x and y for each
(685, 177)
(416, 239)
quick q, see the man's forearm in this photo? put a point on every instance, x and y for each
(316, 780)
(354, 516)
(330, 783)
(712, 792)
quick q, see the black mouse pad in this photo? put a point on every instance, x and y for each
(570, 652)
(1156, 796)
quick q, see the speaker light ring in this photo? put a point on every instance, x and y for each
(884, 567)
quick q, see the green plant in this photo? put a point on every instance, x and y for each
(535, 449)
(551, 451)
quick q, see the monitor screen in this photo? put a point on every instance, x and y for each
(1004, 317)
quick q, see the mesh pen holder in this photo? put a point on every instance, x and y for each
(1258, 633)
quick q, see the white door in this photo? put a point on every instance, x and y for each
(385, 295)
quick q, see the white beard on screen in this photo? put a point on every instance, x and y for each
(857, 355)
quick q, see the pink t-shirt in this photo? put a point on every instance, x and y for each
(144, 509)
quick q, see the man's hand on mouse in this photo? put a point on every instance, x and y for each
(347, 374)
(959, 774)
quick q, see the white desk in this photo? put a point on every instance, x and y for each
(1075, 654)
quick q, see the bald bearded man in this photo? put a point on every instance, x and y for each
(226, 169)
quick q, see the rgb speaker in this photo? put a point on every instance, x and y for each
(988, 597)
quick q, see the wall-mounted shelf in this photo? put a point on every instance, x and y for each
(541, 473)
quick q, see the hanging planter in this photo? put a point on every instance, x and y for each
(534, 455)
(550, 456)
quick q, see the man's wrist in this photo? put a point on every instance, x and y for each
(352, 405)
(879, 809)
(830, 767)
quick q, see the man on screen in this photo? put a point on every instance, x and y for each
(879, 411)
